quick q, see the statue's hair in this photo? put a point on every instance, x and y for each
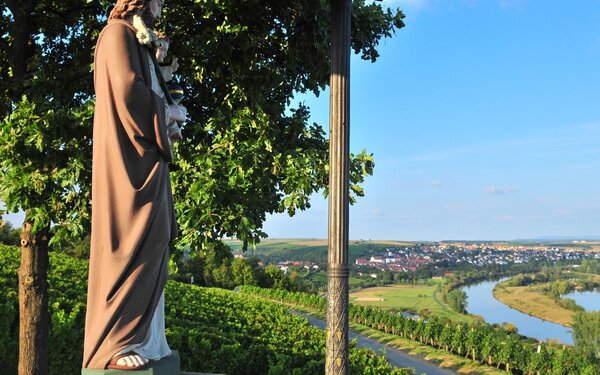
(126, 8)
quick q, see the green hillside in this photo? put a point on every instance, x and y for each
(214, 330)
(276, 250)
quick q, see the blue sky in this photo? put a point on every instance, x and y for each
(484, 120)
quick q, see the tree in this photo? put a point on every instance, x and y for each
(8, 234)
(45, 146)
(457, 299)
(244, 155)
(246, 152)
(586, 333)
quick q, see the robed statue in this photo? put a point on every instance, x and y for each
(133, 219)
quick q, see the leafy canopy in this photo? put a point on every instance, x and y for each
(247, 152)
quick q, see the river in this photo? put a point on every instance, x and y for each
(589, 300)
(482, 302)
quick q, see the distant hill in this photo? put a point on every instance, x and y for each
(566, 238)
(315, 250)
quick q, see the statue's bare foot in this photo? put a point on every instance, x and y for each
(128, 361)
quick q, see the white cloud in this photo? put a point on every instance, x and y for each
(436, 183)
(498, 190)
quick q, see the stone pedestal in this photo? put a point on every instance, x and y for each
(165, 366)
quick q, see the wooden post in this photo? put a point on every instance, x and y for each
(339, 141)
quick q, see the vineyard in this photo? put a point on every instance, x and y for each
(214, 330)
(480, 342)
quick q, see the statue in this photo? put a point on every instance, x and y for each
(175, 90)
(133, 218)
(174, 129)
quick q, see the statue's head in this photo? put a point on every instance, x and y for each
(149, 10)
(163, 47)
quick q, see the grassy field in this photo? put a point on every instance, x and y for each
(412, 297)
(529, 300)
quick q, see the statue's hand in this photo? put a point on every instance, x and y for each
(174, 65)
(174, 133)
(178, 113)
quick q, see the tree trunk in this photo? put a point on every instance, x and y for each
(33, 302)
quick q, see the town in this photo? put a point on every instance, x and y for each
(410, 258)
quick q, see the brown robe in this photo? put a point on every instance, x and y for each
(133, 218)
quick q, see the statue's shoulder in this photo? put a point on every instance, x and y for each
(117, 29)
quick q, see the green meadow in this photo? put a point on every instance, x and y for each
(406, 297)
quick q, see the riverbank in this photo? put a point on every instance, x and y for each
(531, 301)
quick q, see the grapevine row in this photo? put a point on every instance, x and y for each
(480, 342)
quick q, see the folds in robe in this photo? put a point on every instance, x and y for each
(133, 218)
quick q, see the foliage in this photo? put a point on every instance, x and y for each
(9, 309)
(586, 333)
(591, 266)
(457, 299)
(45, 158)
(204, 325)
(8, 234)
(481, 342)
(570, 304)
(45, 115)
(214, 266)
(246, 152)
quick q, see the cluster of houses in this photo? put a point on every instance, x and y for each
(408, 259)
(395, 261)
(285, 265)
